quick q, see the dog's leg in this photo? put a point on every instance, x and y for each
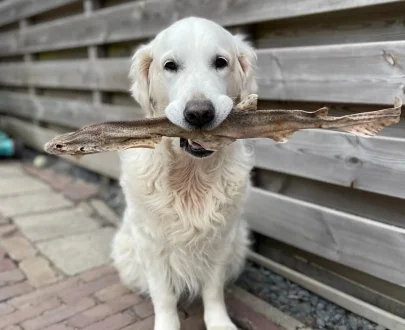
(215, 314)
(164, 303)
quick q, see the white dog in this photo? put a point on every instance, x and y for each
(182, 232)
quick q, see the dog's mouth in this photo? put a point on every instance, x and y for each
(194, 149)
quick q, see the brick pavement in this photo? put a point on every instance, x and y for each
(54, 261)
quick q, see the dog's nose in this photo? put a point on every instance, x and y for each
(199, 113)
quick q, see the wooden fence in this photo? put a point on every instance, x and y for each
(64, 64)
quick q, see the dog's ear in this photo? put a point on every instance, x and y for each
(139, 75)
(247, 61)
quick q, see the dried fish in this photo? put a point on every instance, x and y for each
(244, 122)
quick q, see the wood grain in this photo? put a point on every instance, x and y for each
(373, 164)
(369, 73)
(363, 244)
(144, 19)
(69, 113)
(106, 74)
(14, 10)
(375, 24)
(362, 203)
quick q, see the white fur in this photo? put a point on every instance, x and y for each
(182, 232)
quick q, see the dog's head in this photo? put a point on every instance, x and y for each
(193, 72)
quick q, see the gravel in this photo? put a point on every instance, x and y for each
(290, 298)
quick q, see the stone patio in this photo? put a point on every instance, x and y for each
(55, 271)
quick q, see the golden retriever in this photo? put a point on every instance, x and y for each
(182, 232)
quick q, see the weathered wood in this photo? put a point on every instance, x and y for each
(380, 23)
(106, 74)
(35, 137)
(359, 202)
(372, 164)
(14, 10)
(74, 114)
(146, 18)
(348, 302)
(363, 244)
(354, 73)
(369, 73)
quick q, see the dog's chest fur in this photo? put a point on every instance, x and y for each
(185, 208)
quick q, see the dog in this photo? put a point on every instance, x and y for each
(182, 233)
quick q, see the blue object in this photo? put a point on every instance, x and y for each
(7, 146)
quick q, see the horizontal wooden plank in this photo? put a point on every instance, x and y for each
(372, 164)
(14, 10)
(64, 112)
(355, 73)
(35, 137)
(358, 202)
(363, 244)
(369, 73)
(144, 19)
(107, 74)
(378, 23)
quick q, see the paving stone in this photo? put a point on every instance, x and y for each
(20, 185)
(144, 309)
(80, 191)
(56, 224)
(103, 311)
(104, 211)
(26, 314)
(146, 324)
(33, 203)
(11, 276)
(195, 322)
(32, 299)
(87, 288)
(14, 290)
(114, 322)
(38, 271)
(13, 327)
(77, 253)
(55, 180)
(58, 314)
(18, 247)
(192, 308)
(85, 207)
(111, 292)
(10, 168)
(7, 230)
(97, 272)
(3, 219)
(6, 264)
(6, 309)
(59, 326)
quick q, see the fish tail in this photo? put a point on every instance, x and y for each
(373, 122)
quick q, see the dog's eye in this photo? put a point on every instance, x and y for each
(220, 62)
(171, 66)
